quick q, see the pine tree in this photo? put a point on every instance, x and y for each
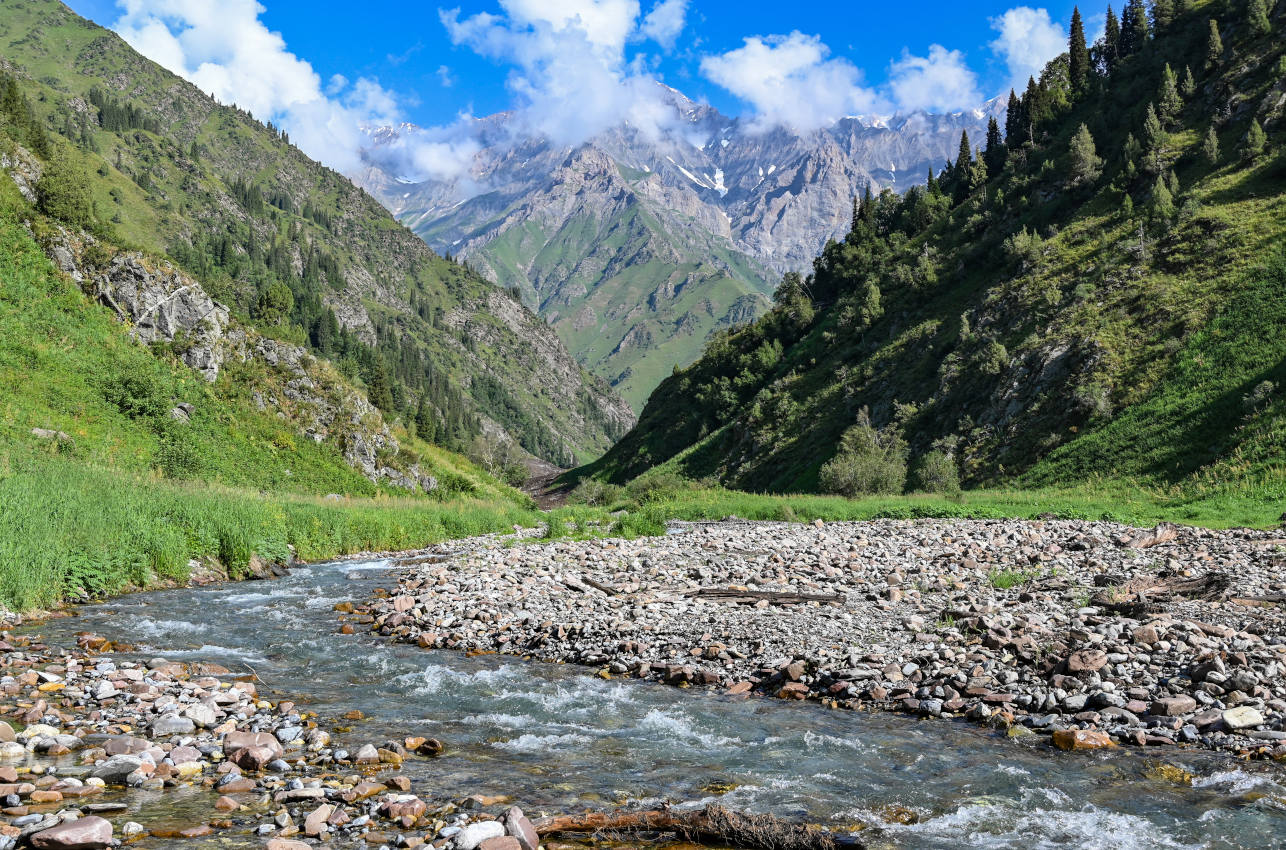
(1078, 55)
(1111, 41)
(1086, 164)
(996, 153)
(1257, 14)
(966, 153)
(1153, 138)
(1188, 87)
(424, 425)
(1014, 121)
(1134, 28)
(1162, 201)
(1214, 46)
(1168, 101)
(1256, 141)
(1210, 147)
(1162, 14)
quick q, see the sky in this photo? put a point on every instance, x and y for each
(570, 68)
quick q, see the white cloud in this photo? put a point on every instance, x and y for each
(790, 80)
(1028, 40)
(664, 23)
(223, 48)
(571, 77)
(940, 81)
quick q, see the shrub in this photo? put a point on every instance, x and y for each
(178, 456)
(594, 493)
(137, 393)
(869, 461)
(63, 192)
(936, 473)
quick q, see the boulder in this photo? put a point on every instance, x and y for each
(475, 833)
(519, 827)
(1081, 739)
(87, 833)
(1242, 717)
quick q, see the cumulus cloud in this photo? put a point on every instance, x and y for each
(664, 23)
(1028, 39)
(223, 48)
(940, 81)
(571, 78)
(790, 80)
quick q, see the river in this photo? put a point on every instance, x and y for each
(558, 739)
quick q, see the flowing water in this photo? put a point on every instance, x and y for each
(558, 739)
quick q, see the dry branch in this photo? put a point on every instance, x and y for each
(1150, 593)
(774, 597)
(713, 824)
(1163, 533)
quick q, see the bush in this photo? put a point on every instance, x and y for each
(137, 393)
(657, 487)
(178, 456)
(63, 193)
(869, 461)
(936, 473)
(594, 493)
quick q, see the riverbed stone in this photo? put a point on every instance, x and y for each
(1081, 739)
(520, 827)
(87, 833)
(1243, 717)
(475, 833)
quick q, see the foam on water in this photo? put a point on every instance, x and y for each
(1237, 782)
(541, 743)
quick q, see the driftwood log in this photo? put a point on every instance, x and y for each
(774, 597)
(1150, 594)
(1163, 533)
(713, 824)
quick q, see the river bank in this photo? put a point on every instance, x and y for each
(1095, 634)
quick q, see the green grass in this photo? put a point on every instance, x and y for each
(1006, 579)
(68, 530)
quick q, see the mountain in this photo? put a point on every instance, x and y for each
(637, 246)
(1100, 299)
(292, 251)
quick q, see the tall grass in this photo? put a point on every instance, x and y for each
(68, 530)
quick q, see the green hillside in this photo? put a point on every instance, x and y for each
(1093, 295)
(293, 248)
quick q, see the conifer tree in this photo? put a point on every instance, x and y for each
(424, 426)
(1172, 182)
(1127, 207)
(867, 210)
(1086, 164)
(1257, 13)
(857, 213)
(995, 154)
(1210, 147)
(1256, 141)
(1111, 41)
(1134, 27)
(1014, 121)
(1078, 55)
(1153, 138)
(1162, 201)
(933, 186)
(1168, 101)
(965, 156)
(1162, 14)
(1188, 86)
(1214, 46)
(1032, 110)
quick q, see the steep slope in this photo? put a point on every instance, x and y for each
(1110, 309)
(636, 247)
(297, 251)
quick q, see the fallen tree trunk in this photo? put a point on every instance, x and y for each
(774, 597)
(1163, 533)
(1149, 594)
(713, 824)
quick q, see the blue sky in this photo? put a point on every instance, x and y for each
(571, 67)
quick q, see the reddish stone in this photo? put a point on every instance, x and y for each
(87, 833)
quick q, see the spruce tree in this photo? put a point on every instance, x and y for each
(1086, 164)
(424, 426)
(1214, 46)
(1210, 147)
(1256, 141)
(1134, 28)
(1162, 201)
(1162, 13)
(1032, 109)
(1078, 55)
(1257, 14)
(377, 386)
(1188, 87)
(1168, 101)
(1153, 138)
(996, 153)
(966, 153)
(1127, 207)
(1111, 41)
(932, 186)
(1014, 121)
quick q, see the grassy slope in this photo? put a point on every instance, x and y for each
(1172, 343)
(387, 268)
(91, 514)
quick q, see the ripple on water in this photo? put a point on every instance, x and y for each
(530, 743)
(1234, 782)
(1038, 819)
